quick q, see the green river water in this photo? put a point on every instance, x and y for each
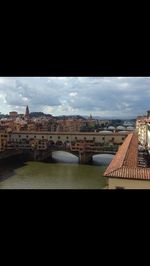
(63, 173)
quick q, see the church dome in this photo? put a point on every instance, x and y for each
(130, 128)
(121, 128)
(105, 132)
(111, 128)
(123, 132)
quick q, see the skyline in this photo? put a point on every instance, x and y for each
(99, 96)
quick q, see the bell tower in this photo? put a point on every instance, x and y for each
(148, 114)
(27, 112)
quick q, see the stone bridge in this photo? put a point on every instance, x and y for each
(40, 145)
(43, 150)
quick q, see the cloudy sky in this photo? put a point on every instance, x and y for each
(100, 96)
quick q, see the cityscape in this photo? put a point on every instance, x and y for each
(63, 143)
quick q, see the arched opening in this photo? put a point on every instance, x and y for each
(102, 159)
(64, 157)
(51, 142)
(59, 143)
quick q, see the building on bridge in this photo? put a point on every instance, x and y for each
(83, 144)
(98, 137)
(128, 170)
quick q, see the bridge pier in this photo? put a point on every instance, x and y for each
(40, 155)
(85, 158)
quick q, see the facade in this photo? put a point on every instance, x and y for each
(70, 125)
(141, 128)
(148, 137)
(124, 171)
(142, 123)
(116, 183)
(112, 138)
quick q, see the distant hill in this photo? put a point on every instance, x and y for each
(70, 117)
(111, 117)
(39, 114)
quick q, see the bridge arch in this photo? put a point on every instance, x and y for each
(65, 156)
(102, 158)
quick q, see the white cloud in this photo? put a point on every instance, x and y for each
(76, 95)
(73, 94)
(2, 80)
(124, 85)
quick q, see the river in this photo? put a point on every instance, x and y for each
(63, 172)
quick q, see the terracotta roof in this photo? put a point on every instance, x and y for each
(125, 162)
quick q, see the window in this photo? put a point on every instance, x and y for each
(26, 136)
(42, 137)
(76, 138)
(103, 138)
(93, 138)
(85, 138)
(66, 137)
(35, 137)
(19, 136)
(58, 137)
(122, 138)
(50, 137)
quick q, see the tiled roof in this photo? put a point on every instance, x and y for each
(125, 162)
(131, 173)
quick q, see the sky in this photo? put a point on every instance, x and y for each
(99, 96)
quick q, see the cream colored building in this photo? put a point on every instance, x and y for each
(118, 183)
(141, 128)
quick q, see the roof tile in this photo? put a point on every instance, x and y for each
(125, 162)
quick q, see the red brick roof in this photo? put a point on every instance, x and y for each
(125, 162)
